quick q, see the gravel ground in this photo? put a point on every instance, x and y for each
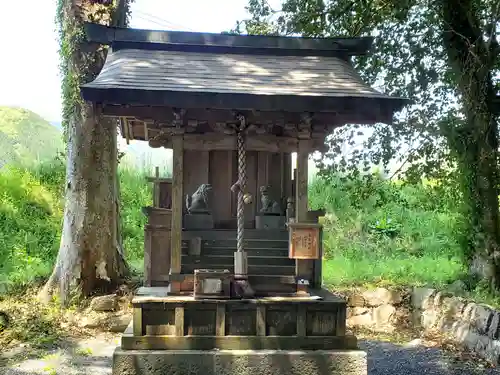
(386, 358)
(93, 357)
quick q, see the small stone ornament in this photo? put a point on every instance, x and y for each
(269, 205)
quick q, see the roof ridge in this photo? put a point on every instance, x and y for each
(226, 43)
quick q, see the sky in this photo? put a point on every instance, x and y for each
(29, 62)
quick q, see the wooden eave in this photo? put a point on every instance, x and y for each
(151, 77)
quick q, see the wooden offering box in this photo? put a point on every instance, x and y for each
(305, 240)
(212, 284)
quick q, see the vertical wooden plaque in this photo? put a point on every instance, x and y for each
(304, 240)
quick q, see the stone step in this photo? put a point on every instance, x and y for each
(252, 252)
(228, 260)
(250, 234)
(255, 244)
(252, 269)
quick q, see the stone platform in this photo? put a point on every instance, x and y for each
(241, 362)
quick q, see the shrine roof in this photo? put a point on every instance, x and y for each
(219, 71)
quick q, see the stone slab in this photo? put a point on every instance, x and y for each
(241, 362)
(269, 222)
(198, 221)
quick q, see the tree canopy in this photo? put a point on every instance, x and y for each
(408, 59)
(445, 56)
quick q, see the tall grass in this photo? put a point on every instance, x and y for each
(387, 233)
(375, 231)
(31, 209)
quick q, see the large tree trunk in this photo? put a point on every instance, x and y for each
(475, 142)
(90, 256)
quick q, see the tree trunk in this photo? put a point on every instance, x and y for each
(476, 141)
(90, 257)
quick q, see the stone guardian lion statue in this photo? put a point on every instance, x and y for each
(269, 205)
(198, 203)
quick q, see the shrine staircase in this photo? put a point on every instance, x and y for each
(267, 253)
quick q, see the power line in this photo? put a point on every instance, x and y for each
(159, 21)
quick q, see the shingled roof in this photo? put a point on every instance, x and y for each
(200, 70)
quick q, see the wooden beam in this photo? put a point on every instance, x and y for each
(125, 129)
(303, 267)
(220, 320)
(261, 320)
(179, 321)
(301, 320)
(265, 143)
(177, 200)
(301, 211)
(156, 190)
(146, 132)
(161, 116)
(130, 342)
(137, 319)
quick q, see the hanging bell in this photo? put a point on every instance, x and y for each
(247, 198)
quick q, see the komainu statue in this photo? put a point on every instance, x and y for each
(269, 205)
(198, 203)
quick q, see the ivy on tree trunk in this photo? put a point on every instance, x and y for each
(90, 257)
(474, 141)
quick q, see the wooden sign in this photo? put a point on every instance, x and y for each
(305, 241)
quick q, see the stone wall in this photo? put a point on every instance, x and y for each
(471, 325)
(379, 310)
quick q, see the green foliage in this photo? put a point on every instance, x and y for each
(26, 137)
(387, 233)
(31, 209)
(443, 55)
(135, 193)
(423, 250)
(30, 218)
(408, 59)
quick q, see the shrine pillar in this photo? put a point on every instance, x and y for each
(303, 267)
(177, 200)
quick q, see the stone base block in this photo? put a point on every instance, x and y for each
(241, 362)
(269, 222)
(198, 221)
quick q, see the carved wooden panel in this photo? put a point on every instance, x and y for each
(159, 322)
(321, 323)
(241, 322)
(156, 255)
(200, 321)
(304, 241)
(281, 322)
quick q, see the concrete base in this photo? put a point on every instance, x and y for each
(269, 222)
(198, 221)
(241, 362)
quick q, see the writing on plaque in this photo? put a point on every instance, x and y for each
(304, 241)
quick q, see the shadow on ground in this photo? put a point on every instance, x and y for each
(93, 356)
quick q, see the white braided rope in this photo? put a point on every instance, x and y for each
(242, 179)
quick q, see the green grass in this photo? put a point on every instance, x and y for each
(31, 208)
(376, 232)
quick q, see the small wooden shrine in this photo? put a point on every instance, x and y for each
(232, 252)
